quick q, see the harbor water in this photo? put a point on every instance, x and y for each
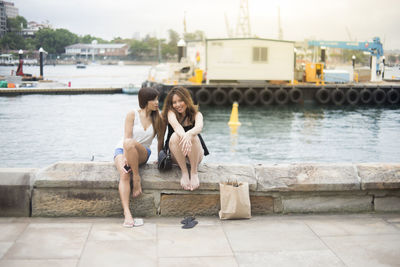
(38, 130)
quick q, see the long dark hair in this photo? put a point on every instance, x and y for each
(145, 95)
(184, 94)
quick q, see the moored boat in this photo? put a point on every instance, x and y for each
(131, 89)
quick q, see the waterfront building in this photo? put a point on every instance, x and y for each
(33, 27)
(234, 59)
(7, 10)
(3, 19)
(103, 50)
(11, 10)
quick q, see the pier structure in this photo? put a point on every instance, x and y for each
(272, 94)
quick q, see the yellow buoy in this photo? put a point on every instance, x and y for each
(234, 120)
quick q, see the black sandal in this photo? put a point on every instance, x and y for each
(190, 224)
(188, 219)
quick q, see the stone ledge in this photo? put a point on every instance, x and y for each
(15, 191)
(78, 175)
(105, 175)
(379, 175)
(91, 189)
(307, 177)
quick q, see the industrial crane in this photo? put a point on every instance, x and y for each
(375, 48)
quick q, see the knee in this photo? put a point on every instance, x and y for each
(129, 144)
(174, 140)
(124, 177)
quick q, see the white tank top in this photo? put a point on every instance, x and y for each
(144, 137)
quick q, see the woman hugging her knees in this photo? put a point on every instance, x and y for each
(185, 123)
(141, 126)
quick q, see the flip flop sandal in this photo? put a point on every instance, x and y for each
(128, 224)
(188, 219)
(138, 222)
(190, 224)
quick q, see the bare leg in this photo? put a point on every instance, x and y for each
(177, 155)
(124, 188)
(135, 154)
(195, 157)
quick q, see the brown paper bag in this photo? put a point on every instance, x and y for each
(235, 200)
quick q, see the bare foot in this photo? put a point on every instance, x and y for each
(128, 221)
(185, 182)
(137, 187)
(194, 181)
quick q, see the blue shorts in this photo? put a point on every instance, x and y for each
(119, 151)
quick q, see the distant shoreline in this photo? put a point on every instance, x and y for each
(103, 62)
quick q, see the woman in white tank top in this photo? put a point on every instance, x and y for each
(141, 126)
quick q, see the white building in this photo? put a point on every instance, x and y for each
(97, 50)
(247, 59)
(11, 10)
(33, 27)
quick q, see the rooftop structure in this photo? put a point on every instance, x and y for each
(34, 27)
(97, 49)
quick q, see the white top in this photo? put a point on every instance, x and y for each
(142, 136)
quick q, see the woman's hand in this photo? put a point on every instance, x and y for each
(186, 143)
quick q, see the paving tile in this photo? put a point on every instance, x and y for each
(391, 218)
(175, 221)
(269, 235)
(366, 250)
(119, 253)
(38, 263)
(115, 231)
(11, 231)
(198, 262)
(350, 226)
(7, 219)
(296, 258)
(50, 241)
(198, 241)
(4, 246)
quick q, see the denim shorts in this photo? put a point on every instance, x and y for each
(119, 151)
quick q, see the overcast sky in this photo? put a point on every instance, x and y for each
(337, 20)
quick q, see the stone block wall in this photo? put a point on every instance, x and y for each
(91, 189)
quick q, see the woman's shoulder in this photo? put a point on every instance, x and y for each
(131, 114)
(198, 113)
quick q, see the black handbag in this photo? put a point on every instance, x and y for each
(164, 160)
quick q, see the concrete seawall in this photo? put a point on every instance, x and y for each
(91, 189)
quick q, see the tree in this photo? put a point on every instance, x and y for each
(54, 41)
(88, 39)
(194, 36)
(12, 41)
(16, 24)
(173, 37)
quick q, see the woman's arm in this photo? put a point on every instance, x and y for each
(186, 139)
(198, 125)
(160, 136)
(175, 124)
(128, 131)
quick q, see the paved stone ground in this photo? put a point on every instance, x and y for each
(290, 240)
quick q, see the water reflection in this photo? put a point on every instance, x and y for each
(308, 133)
(37, 130)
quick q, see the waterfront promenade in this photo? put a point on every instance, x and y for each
(275, 240)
